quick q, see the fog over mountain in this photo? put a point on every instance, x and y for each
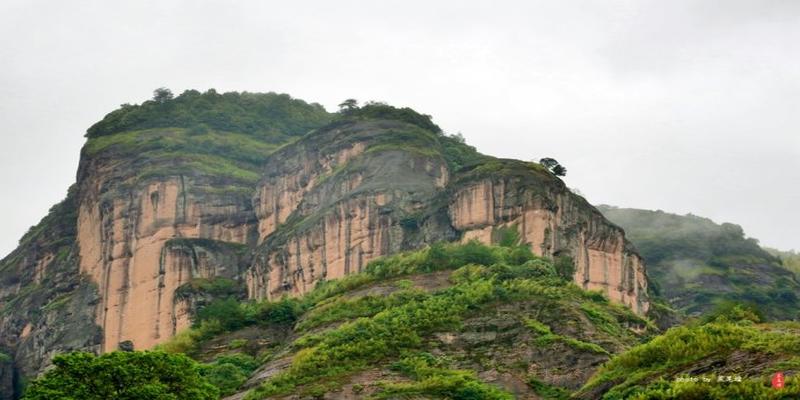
(684, 106)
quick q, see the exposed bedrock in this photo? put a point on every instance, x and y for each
(127, 232)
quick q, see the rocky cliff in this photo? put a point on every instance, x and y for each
(164, 200)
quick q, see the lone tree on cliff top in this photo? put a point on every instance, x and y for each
(348, 105)
(553, 166)
(162, 95)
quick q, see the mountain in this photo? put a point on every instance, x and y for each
(696, 264)
(180, 202)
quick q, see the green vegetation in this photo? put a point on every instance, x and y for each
(433, 379)
(269, 116)
(546, 337)
(413, 140)
(342, 308)
(631, 374)
(553, 166)
(58, 302)
(391, 326)
(458, 154)
(697, 265)
(661, 236)
(377, 110)
(506, 236)
(123, 376)
(353, 346)
(339, 334)
(789, 259)
(536, 178)
(228, 372)
(177, 151)
(57, 229)
(565, 266)
(758, 388)
(428, 141)
(549, 392)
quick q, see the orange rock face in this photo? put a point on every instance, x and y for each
(560, 227)
(123, 248)
(276, 201)
(324, 207)
(341, 243)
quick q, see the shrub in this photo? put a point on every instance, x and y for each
(431, 379)
(548, 391)
(385, 111)
(507, 236)
(229, 372)
(283, 312)
(733, 311)
(123, 376)
(565, 267)
(228, 312)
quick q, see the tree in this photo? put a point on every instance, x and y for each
(553, 166)
(458, 137)
(162, 95)
(120, 375)
(348, 105)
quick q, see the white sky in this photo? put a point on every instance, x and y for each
(685, 106)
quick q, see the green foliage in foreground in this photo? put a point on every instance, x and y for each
(228, 372)
(681, 347)
(484, 275)
(122, 376)
(433, 379)
(750, 389)
(548, 391)
(383, 329)
(546, 336)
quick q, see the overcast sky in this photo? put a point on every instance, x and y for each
(684, 106)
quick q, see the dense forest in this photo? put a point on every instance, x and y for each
(697, 264)
(268, 115)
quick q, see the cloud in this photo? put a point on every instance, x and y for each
(686, 106)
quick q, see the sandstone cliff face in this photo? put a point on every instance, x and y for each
(139, 229)
(124, 228)
(316, 227)
(325, 211)
(554, 224)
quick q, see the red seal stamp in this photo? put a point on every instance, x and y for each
(777, 380)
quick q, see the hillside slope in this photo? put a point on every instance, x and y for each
(450, 321)
(725, 359)
(696, 264)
